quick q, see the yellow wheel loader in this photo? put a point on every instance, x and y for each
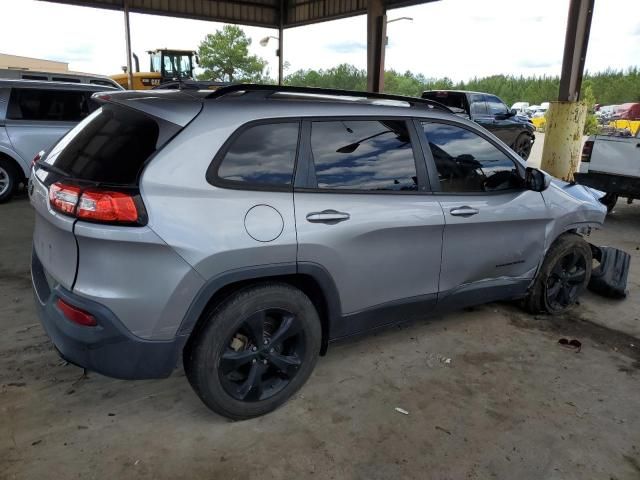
(165, 66)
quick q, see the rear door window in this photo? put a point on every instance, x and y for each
(364, 155)
(111, 146)
(262, 155)
(48, 105)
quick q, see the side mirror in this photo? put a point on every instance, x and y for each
(514, 112)
(536, 180)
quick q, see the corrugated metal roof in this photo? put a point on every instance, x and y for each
(262, 13)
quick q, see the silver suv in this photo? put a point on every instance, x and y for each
(34, 115)
(243, 230)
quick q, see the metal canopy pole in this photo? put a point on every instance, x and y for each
(127, 35)
(281, 43)
(565, 118)
(575, 49)
(376, 39)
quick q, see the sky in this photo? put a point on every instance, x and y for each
(460, 39)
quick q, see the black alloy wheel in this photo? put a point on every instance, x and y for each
(263, 356)
(565, 281)
(254, 350)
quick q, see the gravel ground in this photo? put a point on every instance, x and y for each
(488, 391)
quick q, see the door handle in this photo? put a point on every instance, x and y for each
(327, 216)
(464, 211)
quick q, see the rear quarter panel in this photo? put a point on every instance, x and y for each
(203, 223)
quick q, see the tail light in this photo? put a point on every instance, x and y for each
(75, 314)
(97, 205)
(64, 198)
(107, 206)
(586, 151)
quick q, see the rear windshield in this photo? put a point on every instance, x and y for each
(111, 145)
(450, 99)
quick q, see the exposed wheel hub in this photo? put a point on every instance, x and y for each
(263, 356)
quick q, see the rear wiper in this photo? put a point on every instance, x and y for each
(52, 168)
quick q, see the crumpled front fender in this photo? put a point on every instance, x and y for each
(572, 207)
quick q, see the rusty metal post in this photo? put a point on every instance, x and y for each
(566, 117)
(376, 39)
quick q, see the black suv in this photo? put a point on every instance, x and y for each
(492, 113)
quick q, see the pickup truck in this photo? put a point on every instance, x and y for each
(492, 113)
(611, 163)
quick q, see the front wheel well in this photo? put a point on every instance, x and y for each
(15, 164)
(306, 283)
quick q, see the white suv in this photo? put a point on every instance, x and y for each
(34, 115)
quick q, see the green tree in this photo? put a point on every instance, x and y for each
(225, 57)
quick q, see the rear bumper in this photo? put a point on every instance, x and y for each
(618, 184)
(108, 348)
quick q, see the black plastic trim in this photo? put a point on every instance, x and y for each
(269, 90)
(108, 348)
(214, 284)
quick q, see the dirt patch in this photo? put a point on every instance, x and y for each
(573, 324)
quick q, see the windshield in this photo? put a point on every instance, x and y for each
(177, 65)
(155, 62)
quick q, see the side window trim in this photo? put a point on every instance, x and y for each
(306, 181)
(211, 175)
(431, 164)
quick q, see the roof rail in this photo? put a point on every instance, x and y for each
(271, 89)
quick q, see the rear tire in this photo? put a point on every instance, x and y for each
(9, 179)
(563, 276)
(609, 201)
(255, 350)
(522, 145)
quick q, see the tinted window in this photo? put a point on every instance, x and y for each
(478, 105)
(450, 99)
(34, 77)
(65, 79)
(495, 105)
(262, 154)
(51, 105)
(466, 162)
(110, 146)
(363, 155)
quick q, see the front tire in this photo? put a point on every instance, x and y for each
(255, 350)
(563, 277)
(8, 179)
(522, 145)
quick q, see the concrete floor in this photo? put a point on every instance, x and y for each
(509, 404)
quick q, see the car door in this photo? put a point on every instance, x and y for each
(504, 126)
(480, 111)
(494, 229)
(365, 215)
(38, 118)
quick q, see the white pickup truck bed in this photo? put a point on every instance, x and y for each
(611, 164)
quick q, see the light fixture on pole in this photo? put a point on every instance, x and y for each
(410, 19)
(264, 42)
